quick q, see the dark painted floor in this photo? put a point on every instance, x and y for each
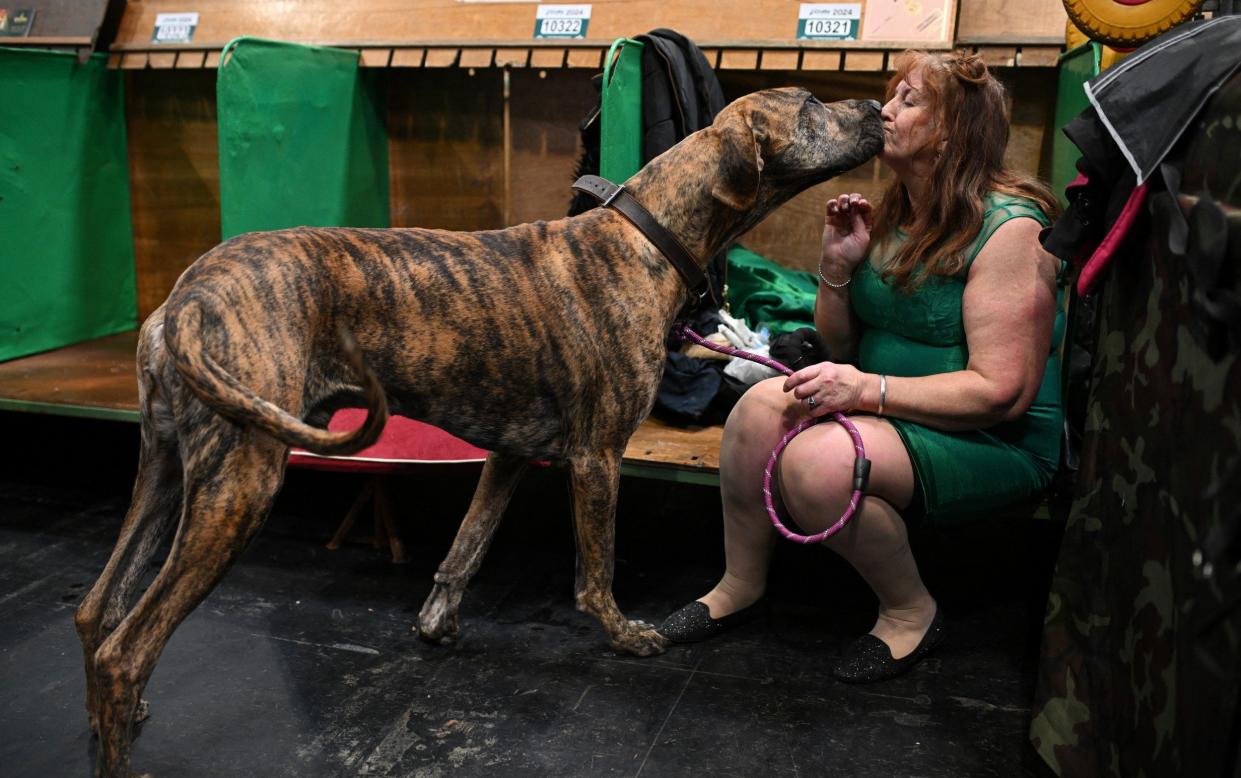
(302, 662)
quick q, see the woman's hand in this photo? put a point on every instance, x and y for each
(833, 387)
(846, 235)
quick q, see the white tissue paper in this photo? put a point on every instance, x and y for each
(742, 337)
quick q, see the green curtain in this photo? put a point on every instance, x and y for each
(302, 138)
(66, 245)
(620, 130)
(768, 295)
(1076, 68)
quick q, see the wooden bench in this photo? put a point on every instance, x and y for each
(96, 379)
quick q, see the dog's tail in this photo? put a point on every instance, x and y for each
(224, 393)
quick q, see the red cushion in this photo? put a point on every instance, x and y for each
(403, 444)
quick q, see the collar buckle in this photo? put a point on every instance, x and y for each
(615, 193)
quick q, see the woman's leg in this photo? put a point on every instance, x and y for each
(753, 429)
(816, 471)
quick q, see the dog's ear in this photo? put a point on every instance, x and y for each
(741, 161)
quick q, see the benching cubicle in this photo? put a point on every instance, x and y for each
(458, 119)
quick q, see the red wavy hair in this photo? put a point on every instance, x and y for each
(970, 109)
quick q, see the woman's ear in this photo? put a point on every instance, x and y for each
(740, 163)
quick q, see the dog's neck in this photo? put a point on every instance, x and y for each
(684, 204)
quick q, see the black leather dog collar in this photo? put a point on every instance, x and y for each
(618, 198)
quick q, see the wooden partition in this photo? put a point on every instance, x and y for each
(174, 176)
(61, 24)
(483, 117)
(440, 26)
(463, 156)
(456, 161)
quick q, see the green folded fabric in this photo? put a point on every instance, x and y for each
(768, 295)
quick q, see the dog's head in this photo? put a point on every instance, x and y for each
(778, 142)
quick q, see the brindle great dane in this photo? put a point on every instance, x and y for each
(540, 341)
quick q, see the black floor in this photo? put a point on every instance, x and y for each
(302, 662)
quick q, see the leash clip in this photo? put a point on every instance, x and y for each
(615, 193)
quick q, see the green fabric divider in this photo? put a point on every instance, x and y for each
(1076, 68)
(67, 250)
(768, 295)
(620, 134)
(302, 138)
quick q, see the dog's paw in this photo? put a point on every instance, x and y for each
(142, 712)
(640, 639)
(440, 633)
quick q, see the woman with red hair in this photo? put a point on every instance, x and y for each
(940, 310)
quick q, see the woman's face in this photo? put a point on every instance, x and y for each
(909, 134)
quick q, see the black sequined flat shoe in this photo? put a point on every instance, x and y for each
(693, 623)
(869, 658)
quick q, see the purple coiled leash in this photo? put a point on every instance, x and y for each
(861, 465)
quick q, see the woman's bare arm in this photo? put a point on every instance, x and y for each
(1008, 310)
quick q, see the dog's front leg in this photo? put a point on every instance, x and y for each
(595, 479)
(438, 621)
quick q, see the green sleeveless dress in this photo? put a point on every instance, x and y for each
(959, 474)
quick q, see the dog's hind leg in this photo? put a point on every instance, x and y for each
(437, 622)
(231, 479)
(156, 502)
(595, 479)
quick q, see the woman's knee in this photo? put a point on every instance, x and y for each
(753, 428)
(816, 477)
(764, 399)
(757, 418)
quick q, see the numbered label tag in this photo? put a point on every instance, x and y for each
(829, 21)
(15, 22)
(174, 28)
(561, 21)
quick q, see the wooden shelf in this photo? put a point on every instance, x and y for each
(450, 33)
(441, 22)
(47, 40)
(853, 59)
(98, 379)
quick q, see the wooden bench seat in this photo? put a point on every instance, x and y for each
(97, 379)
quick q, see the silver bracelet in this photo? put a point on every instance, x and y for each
(883, 393)
(829, 283)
